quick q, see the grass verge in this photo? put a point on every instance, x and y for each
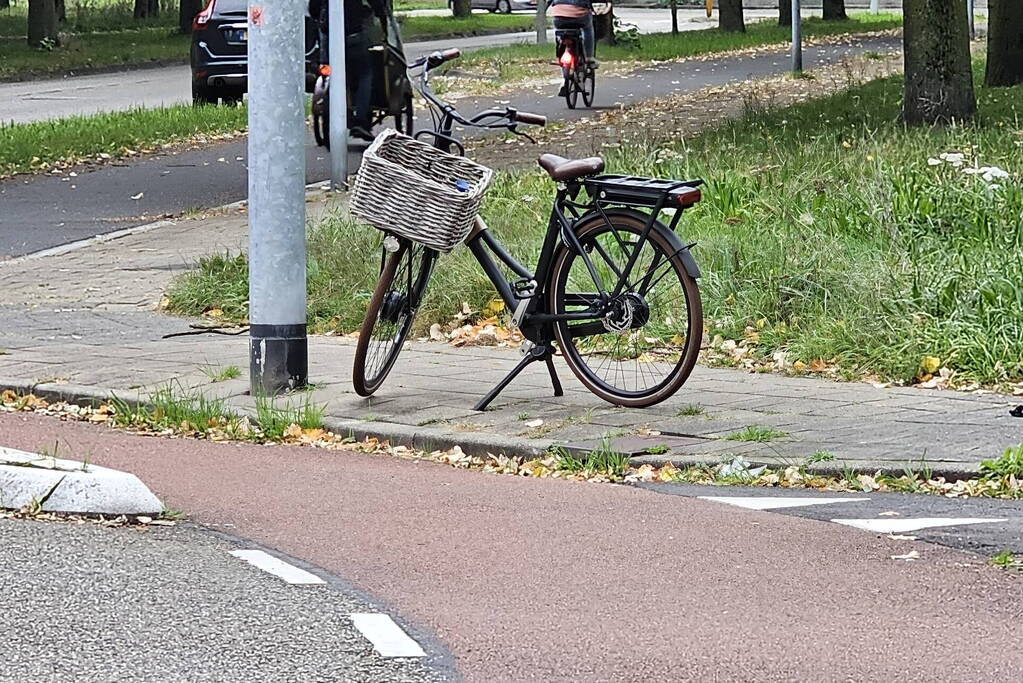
(829, 233)
(26, 147)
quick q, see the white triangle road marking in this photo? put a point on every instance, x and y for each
(898, 526)
(777, 502)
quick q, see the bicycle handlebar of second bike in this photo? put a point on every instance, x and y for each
(511, 116)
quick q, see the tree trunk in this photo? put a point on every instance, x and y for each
(147, 8)
(785, 12)
(5, 4)
(461, 8)
(674, 17)
(61, 9)
(730, 16)
(187, 9)
(939, 80)
(1004, 43)
(42, 22)
(604, 27)
(834, 10)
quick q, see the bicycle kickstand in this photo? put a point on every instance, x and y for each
(532, 354)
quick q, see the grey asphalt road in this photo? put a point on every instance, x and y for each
(87, 603)
(39, 212)
(59, 97)
(548, 580)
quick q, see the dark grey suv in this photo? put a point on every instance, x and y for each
(219, 54)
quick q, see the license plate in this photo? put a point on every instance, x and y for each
(236, 35)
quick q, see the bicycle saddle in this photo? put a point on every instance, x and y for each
(563, 170)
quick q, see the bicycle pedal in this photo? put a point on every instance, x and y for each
(524, 287)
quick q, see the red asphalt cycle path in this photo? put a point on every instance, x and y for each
(548, 580)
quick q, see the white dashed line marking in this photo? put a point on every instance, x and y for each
(387, 637)
(897, 526)
(777, 502)
(279, 568)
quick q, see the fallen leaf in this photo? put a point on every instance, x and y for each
(911, 555)
(532, 424)
(138, 196)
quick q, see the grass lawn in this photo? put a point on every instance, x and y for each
(421, 28)
(408, 5)
(26, 147)
(86, 50)
(827, 230)
(85, 16)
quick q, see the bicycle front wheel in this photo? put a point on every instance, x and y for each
(643, 350)
(391, 311)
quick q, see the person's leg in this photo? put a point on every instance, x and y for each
(360, 80)
(589, 41)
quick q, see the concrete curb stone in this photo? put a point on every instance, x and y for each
(73, 487)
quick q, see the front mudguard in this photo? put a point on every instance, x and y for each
(676, 244)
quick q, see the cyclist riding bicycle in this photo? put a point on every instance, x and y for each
(357, 61)
(575, 14)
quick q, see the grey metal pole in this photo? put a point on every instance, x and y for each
(875, 6)
(338, 96)
(277, 292)
(797, 38)
(540, 22)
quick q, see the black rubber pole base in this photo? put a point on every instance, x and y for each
(278, 358)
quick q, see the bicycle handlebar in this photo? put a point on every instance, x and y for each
(502, 119)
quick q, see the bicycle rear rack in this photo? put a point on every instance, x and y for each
(638, 191)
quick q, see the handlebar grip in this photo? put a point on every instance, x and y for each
(437, 58)
(451, 53)
(531, 119)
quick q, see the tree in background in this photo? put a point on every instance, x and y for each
(936, 44)
(461, 8)
(1004, 43)
(147, 8)
(785, 12)
(42, 23)
(834, 10)
(187, 9)
(730, 16)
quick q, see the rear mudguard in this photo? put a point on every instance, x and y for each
(676, 244)
(320, 94)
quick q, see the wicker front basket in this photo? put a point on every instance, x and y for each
(416, 191)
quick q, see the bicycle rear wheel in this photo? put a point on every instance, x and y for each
(391, 311)
(643, 350)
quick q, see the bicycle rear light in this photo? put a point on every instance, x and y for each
(567, 60)
(324, 69)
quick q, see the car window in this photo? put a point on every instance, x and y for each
(230, 6)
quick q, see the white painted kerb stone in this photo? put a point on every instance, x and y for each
(80, 488)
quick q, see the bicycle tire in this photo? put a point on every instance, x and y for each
(568, 333)
(403, 119)
(397, 295)
(321, 127)
(589, 86)
(571, 90)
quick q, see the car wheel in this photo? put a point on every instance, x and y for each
(504, 6)
(232, 97)
(202, 95)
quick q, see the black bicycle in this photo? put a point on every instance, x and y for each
(614, 287)
(579, 75)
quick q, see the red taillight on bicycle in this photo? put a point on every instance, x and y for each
(567, 59)
(203, 18)
(324, 69)
(688, 197)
